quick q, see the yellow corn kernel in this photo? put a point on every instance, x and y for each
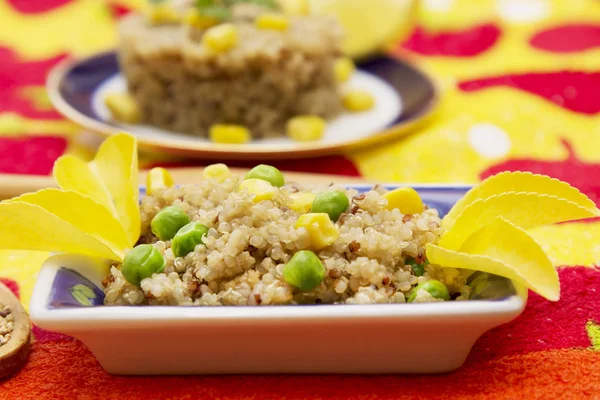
(321, 230)
(219, 172)
(220, 38)
(358, 100)
(158, 178)
(272, 21)
(232, 134)
(405, 199)
(123, 107)
(306, 128)
(200, 21)
(343, 68)
(301, 202)
(262, 190)
(295, 7)
(163, 14)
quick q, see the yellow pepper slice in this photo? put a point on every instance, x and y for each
(30, 227)
(503, 249)
(84, 213)
(111, 179)
(526, 210)
(517, 182)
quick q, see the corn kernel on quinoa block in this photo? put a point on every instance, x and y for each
(268, 77)
(248, 244)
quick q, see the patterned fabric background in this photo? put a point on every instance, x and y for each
(521, 91)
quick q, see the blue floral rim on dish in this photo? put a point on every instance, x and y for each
(71, 289)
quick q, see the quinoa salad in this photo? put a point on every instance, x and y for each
(258, 240)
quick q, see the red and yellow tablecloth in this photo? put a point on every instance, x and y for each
(521, 83)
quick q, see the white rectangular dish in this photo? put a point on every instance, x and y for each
(365, 339)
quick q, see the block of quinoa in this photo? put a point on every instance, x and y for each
(193, 66)
(255, 240)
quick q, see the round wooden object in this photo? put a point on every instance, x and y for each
(13, 354)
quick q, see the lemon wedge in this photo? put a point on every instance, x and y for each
(369, 25)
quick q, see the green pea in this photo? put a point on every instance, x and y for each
(141, 262)
(418, 269)
(304, 271)
(267, 173)
(435, 288)
(168, 221)
(187, 238)
(333, 203)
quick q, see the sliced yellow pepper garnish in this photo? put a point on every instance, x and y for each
(517, 182)
(30, 227)
(503, 249)
(322, 231)
(526, 210)
(111, 179)
(82, 212)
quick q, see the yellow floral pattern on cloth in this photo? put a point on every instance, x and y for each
(91, 20)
